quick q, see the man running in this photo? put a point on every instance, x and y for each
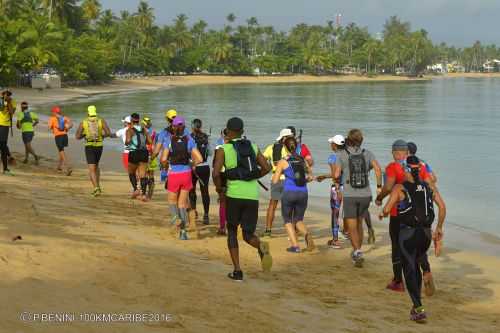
(93, 129)
(395, 174)
(353, 165)
(122, 134)
(7, 110)
(182, 156)
(26, 122)
(202, 171)
(138, 158)
(414, 199)
(243, 164)
(274, 153)
(60, 126)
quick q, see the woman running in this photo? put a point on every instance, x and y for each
(294, 199)
(137, 140)
(414, 200)
(181, 154)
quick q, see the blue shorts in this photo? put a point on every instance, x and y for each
(293, 206)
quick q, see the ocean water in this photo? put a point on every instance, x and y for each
(455, 123)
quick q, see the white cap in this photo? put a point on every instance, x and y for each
(127, 120)
(338, 139)
(284, 133)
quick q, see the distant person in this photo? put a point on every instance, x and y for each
(412, 151)
(222, 200)
(395, 174)
(93, 129)
(414, 199)
(122, 134)
(243, 164)
(182, 155)
(60, 126)
(201, 173)
(295, 195)
(26, 122)
(138, 157)
(7, 110)
(153, 162)
(274, 153)
(354, 164)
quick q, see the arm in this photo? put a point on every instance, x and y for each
(149, 141)
(333, 170)
(396, 195)
(386, 190)
(378, 174)
(79, 132)
(164, 157)
(279, 170)
(265, 168)
(156, 151)
(216, 173)
(69, 124)
(106, 131)
(196, 157)
(438, 232)
(18, 124)
(128, 136)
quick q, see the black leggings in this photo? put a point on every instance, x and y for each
(203, 172)
(414, 243)
(397, 268)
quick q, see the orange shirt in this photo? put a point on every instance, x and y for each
(54, 126)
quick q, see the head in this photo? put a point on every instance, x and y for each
(178, 125)
(413, 168)
(284, 134)
(135, 120)
(147, 122)
(354, 138)
(293, 129)
(170, 115)
(196, 125)
(400, 150)
(92, 111)
(234, 128)
(290, 143)
(56, 111)
(24, 106)
(412, 149)
(7, 95)
(127, 121)
(337, 142)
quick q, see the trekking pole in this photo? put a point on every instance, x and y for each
(263, 186)
(300, 136)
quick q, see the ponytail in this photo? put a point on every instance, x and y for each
(415, 173)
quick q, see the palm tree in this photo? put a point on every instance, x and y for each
(106, 25)
(198, 31)
(145, 16)
(182, 36)
(221, 47)
(63, 10)
(91, 9)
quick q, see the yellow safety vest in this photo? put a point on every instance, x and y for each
(93, 139)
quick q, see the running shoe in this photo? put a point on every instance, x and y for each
(69, 172)
(135, 194)
(357, 259)
(183, 235)
(7, 172)
(206, 219)
(396, 286)
(334, 244)
(236, 276)
(309, 242)
(37, 160)
(418, 315)
(266, 260)
(293, 249)
(371, 236)
(429, 286)
(267, 233)
(96, 192)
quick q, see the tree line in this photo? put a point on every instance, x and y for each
(83, 41)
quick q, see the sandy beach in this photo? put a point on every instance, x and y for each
(82, 255)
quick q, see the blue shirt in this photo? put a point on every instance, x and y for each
(332, 159)
(165, 135)
(190, 146)
(289, 183)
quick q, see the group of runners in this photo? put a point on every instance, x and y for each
(182, 157)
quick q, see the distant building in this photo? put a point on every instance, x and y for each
(491, 66)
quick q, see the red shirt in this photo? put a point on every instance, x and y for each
(304, 151)
(395, 170)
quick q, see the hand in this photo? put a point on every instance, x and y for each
(309, 179)
(378, 202)
(438, 234)
(381, 216)
(319, 179)
(379, 190)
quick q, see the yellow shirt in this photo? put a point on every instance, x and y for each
(268, 154)
(5, 117)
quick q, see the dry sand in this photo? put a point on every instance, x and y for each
(79, 255)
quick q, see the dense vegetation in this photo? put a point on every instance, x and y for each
(84, 42)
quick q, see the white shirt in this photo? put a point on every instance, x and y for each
(122, 134)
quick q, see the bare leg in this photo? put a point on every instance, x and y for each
(352, 227)
(271, 209)
(290, 229)
(93, 174)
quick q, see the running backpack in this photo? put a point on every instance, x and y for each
(418, 207)
(246, 166)
(140, 143)
(201, 140)
(277, 148)
(358, 170)
(93, 129)
(179, 153)
(27, 117)
(60, 123)
(298, 166)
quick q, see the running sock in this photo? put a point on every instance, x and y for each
(144, 185)
(133, 180)
(183, 216)
(174, 211)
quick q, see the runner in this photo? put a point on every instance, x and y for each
(243, 164)
(337, 143)
(179, 149)
(274, 153)
(122, 134)
(60, 126)
(26, 122)
(294, 198)
(414, 199)
(412, 151)
(302, 148)
(153, 163)
(7, 110)
(353, 164)
(202, 170)
(93, 129)
(395, 174)
(138, 158)
(222, 202)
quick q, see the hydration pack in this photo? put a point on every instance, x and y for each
(277, 148)
(27, 117)
(358, 170)
(418, 207)
(201, 140)
(93, 130)
(298, 166)
(246, 167)
(140, 138)
(60, 123)
(179, 153)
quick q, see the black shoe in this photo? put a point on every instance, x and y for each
(236, 276)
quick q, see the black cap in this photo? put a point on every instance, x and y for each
(135, 116)
(196, 123)
(412, 148)
(412, 160)
(235, 124)
(292, 128)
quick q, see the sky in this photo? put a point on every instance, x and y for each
(456, 22)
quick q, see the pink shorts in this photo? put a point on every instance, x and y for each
(179, 181)
(125, 160)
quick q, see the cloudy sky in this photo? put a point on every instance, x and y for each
(458, 22)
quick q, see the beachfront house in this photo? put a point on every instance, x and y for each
(491, 66)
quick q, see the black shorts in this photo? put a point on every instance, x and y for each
(203, 174)
(138, 156)
(27, 137)
(4, 133)
(293, 206)
(61, 142)
(93, 154)
(356, 207)
(242, 212)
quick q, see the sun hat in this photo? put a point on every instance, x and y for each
(284, 133)
(179, 121)
(338, 139)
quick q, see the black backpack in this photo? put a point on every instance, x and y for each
(202, 144)
(418, 210)
(179, 154)
(277, 148)
(358, 170)
(246, 168)
(298, 165)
